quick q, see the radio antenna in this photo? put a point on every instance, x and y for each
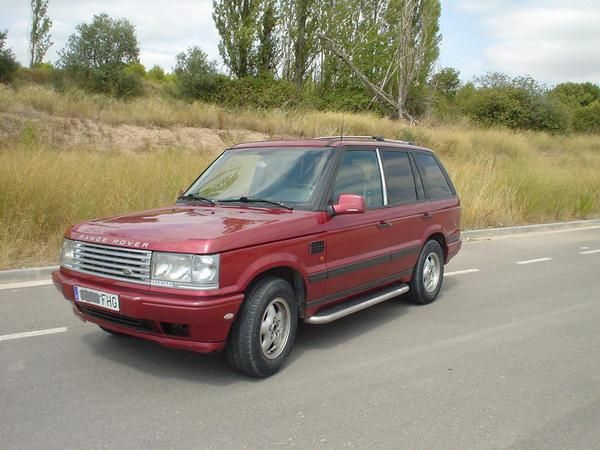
(342, 128)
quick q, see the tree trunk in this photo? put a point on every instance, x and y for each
(300, 44)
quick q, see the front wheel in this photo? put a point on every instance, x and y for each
(264, 331)
(428, 274)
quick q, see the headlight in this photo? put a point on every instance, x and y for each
(67, 252)
(185, 271)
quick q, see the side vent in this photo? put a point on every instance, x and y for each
(317, 247)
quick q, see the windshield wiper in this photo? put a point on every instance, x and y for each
(196, 197)
(245, 199)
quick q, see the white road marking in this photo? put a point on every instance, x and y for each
(25, 284)
(531, 261)
(10, 337)
(460, 272)
(589, 252)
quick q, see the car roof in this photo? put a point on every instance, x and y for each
(332, 142)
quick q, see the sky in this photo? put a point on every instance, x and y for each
(551, 40)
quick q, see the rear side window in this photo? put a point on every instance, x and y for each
(399, 177)
(435, 183)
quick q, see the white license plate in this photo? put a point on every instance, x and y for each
(97, 298)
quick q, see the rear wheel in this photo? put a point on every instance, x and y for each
(264, 331)
(428, 274)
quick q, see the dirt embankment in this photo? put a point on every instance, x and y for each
(74, 133)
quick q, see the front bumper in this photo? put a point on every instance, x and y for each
(149, 314)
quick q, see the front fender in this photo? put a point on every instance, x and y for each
(271, 261)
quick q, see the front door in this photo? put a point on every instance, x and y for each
(358, 252)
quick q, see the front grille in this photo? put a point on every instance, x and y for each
(112, 262)
(117, 319)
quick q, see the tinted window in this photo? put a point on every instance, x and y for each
(399, 177)
(435, 183)
(359, 174)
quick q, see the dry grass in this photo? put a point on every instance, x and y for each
(43, 191)
(504, 178)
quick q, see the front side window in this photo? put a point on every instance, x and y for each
(359, 174)
(435, 183)
(283, 175)
(399, 178)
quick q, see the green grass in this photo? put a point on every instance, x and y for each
(503, 177)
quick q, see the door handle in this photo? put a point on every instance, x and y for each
(383, 225)
(426, 216)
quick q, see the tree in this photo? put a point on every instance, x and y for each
(446, 82)
(237, 24)
(105, 42)
(410, 29)
(98, 54)
(414, 33)
(268, 42)
(8, 63)
(39, 37)
(299, 46)
(196, 75)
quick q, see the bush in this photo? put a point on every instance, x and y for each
(581, 100)
(197, 79)
(263, 93)
(587, 118)
(518, 103)
(116, 81)
(351, 99)
(8, 63)
(576, 94)
(44, 74)
(156, 74)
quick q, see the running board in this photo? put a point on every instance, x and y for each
(345, 309)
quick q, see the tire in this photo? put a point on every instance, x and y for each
(428, 274)
(114, 333)
(265, 328)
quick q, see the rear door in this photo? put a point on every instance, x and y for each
(443, 205)
(406, 205)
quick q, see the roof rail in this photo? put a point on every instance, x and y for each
(366, 138)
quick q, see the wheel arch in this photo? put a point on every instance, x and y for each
(441, 239)
(289, 274)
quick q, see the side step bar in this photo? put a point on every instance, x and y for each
(345, 309)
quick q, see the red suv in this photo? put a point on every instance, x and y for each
(271, 233)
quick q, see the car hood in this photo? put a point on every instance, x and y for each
(190, 229)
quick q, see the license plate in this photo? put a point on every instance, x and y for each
(97, 298)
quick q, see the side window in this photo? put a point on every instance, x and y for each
(359, 174)
(435, 183)
(399, 177)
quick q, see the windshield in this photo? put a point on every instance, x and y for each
(281, 175)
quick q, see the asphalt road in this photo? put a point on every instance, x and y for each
(508, 357)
